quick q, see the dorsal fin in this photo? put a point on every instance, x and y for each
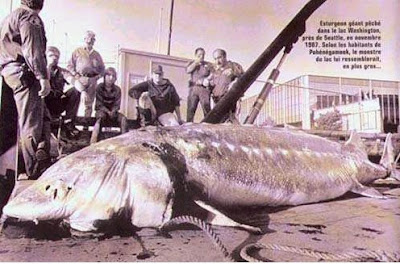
(356, 141)
(387, 155)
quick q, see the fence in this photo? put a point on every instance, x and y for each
(295, 104)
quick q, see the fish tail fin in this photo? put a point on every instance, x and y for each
(387, 160)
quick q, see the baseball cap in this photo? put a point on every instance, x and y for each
(158, 69)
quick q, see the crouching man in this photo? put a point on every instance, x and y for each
(59, 101)
(161, 98)
(108, 102)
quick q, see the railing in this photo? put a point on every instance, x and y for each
(365, 121)
(292, 104)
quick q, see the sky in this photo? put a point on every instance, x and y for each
(244, 28)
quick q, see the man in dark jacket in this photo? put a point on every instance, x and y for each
(108, 103)
(163, 96)
(225, 73)
(59, 101)
(24, 70)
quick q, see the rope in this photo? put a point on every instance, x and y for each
(203, 226)
(369, 255)
(349, 256)
(397, 159)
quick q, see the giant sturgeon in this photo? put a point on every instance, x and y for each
(220, 166)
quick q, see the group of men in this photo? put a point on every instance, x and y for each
(31, 73)
(210, 80)
(158, 100)
(40, 92)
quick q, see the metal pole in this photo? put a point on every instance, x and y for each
(66, 47)
(11, 5)
(53, 31)
(159, 30)
(265, 91)
(394, 110)
(170, 27)
(17, 155)
(388, 107)
(288, 36)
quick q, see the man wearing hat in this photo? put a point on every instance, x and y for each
(108, 103)
(24, 70)
(162, 95)
(59, 101)
(87, 66)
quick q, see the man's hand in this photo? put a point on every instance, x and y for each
(113, 113)
(206, 82)
(228, 72)
(209, 81)
(197, 61)
(45, 87)
(57, 93)
(93, 80)
(79, 86)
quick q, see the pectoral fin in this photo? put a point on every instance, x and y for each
(367, 191)
(215, 217)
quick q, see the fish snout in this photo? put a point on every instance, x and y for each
(39, 202)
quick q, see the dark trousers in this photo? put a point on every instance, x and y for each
(68, 103)
(8, 119)
(197, 94)
(31, 116)
(101, 118)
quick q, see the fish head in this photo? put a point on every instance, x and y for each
(44, 200)
(125, 174)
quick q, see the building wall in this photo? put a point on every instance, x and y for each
(293, 102)
(360, 116)
(135, 67)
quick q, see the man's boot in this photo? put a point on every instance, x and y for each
(43, 161)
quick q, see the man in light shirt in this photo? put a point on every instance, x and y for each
(87, 66)
(23, 67)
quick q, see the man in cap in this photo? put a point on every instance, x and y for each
(199, 70)
(163, 98)
(87, 66)
(108, 103)
(225, 73)
(24, 70)
(59, 101)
